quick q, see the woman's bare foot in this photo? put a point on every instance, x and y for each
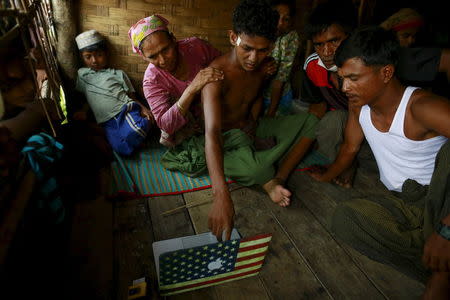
(346, 178)
(438, 287)
(277, 192)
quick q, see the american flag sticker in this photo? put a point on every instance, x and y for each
(203, 266)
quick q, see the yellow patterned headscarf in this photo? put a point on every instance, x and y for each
(139, 31)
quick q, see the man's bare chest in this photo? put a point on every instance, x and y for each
(241, 91)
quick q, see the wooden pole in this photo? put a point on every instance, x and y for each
(66, 52)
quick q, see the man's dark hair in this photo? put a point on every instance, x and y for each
(255, 18)
(100, 46)
(288, 3)
(373, 45)
(342, 13)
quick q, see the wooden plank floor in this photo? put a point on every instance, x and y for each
(305, 261)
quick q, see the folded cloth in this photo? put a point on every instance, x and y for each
(43, 152)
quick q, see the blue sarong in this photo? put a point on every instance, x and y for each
(127, 130)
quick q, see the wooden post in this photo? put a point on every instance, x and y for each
(66, 32)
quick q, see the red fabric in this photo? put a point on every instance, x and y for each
(412, 24)
(317, 74)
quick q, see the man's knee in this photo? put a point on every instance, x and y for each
(333, 121)
(250, 174)
(330, 133)
(310, 127)
(260, 173)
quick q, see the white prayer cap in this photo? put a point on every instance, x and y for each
(88, 38)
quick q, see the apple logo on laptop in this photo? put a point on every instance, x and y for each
(214, 265)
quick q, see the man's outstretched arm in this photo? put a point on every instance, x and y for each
(353, 137)
(220, 218)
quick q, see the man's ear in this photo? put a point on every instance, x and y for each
(233, 37)
(387, 72)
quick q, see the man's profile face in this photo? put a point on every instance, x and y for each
(326, 43)
(250, 50)
(360, 83)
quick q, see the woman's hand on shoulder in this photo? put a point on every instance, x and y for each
(204, 77)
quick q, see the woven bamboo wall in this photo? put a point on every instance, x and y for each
(207, 19)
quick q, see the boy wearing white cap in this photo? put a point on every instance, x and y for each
(110, 95)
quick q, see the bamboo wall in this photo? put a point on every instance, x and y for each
(207, 19)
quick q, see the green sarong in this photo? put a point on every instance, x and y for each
(241, 162)
(393, 229)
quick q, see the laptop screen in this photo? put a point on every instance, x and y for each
(186, 242)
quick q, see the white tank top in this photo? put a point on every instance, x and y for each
(399, 158)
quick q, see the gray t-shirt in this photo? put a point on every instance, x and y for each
(105, 90)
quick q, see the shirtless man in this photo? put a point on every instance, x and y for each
(234, 104)
(407, 129)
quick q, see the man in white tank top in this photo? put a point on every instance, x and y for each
(405, 128)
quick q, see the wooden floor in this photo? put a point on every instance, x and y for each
(113, 245)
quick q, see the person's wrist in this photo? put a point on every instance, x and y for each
(443, 230)
(191, 89)
(222, 193)
(182, 110)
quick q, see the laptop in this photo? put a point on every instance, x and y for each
(193, 262)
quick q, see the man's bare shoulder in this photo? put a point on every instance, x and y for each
(221, 62)
(212, 89)
(423, 101)
(430, 110)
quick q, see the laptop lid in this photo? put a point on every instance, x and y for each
(186, 242)
(204, 264)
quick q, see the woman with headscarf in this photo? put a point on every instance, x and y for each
(177, 71)
(405, 24)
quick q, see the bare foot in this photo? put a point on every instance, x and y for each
(438, 287)
(346, 178)
(277, 192)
